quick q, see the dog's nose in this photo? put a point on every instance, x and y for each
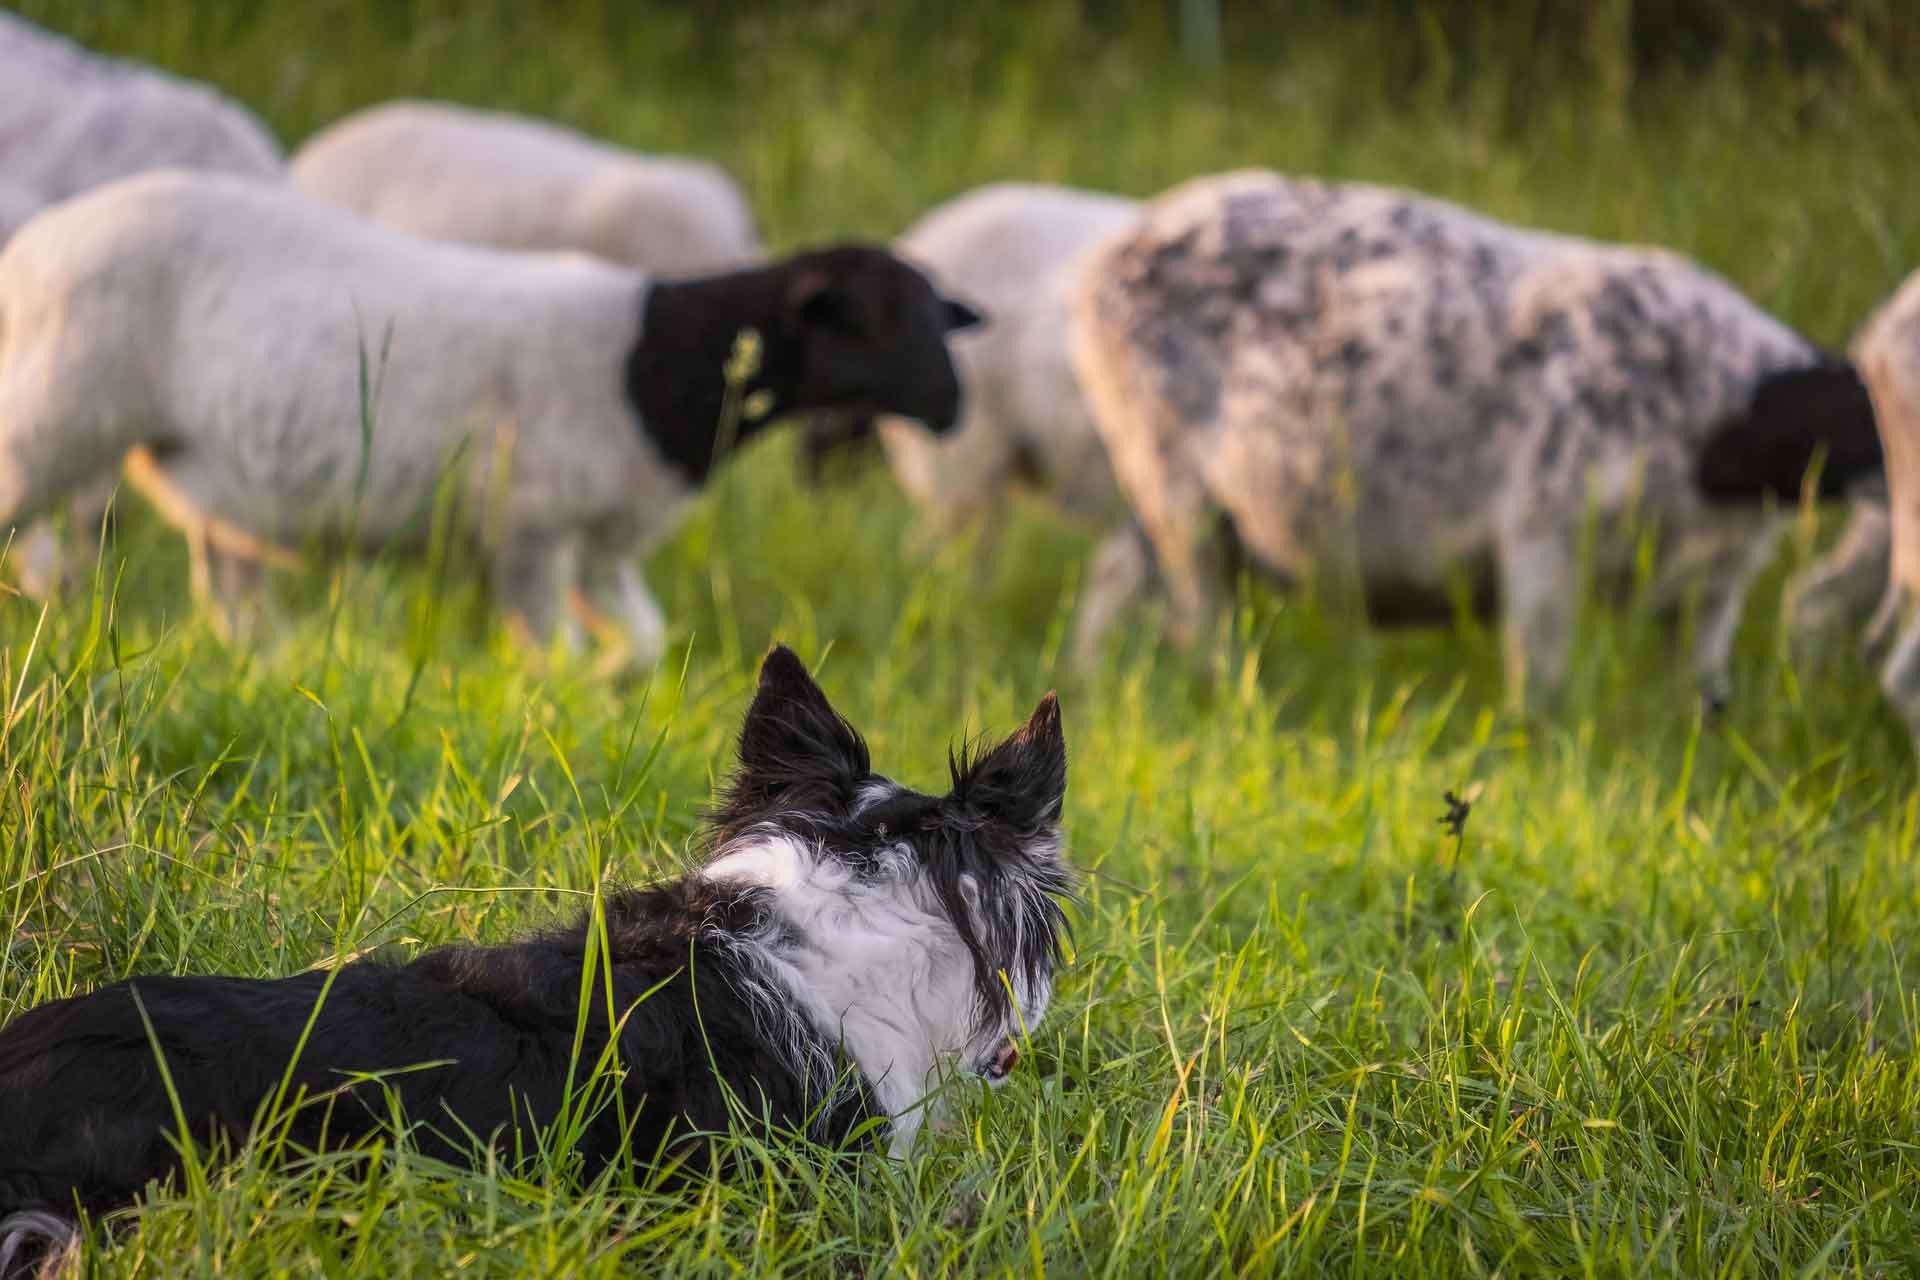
(1003, 1060)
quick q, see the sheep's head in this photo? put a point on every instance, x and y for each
(868, 334)
(850, 330)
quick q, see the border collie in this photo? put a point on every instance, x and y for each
(848, 942)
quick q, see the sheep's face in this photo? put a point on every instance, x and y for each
(871, 336)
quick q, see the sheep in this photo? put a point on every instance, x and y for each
(1397, 395)
(1014, 248)
(450, 173)
(18, 202)
(215, 328)
(72, 120)
(1887, 352)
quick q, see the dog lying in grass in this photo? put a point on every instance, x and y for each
(849, 941)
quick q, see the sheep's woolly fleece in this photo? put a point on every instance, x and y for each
(480, 177)
(1385, 390)
(1013, 249)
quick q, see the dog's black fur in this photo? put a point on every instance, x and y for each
(476, 1041)
(1794, 415)
(848, 327)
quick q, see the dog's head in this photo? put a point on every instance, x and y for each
(986, 856)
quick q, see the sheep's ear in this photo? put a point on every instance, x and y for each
(962, 316)
(814, 301)
(792, 732)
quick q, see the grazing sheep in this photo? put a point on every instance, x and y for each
(1888, 355)
(1395, 394)
(480, 177)
(216, 327)
(71, 120)
(1014, 248)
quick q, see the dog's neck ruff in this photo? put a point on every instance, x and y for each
(869, 961)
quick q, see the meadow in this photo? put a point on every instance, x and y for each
(1647, 1015)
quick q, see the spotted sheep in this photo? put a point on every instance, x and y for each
(215, 329)
(1397, 397)
(491, 178)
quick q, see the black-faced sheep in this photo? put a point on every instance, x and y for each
(1396, 395)
(217, 327)
(482, 177)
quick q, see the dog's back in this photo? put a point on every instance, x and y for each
(474, 1042)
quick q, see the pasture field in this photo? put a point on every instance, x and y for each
(1654, 1012)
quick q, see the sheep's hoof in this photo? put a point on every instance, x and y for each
(1715, 696)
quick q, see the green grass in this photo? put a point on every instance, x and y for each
(1655, 1014)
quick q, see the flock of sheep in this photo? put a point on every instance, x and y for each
(1384, 393)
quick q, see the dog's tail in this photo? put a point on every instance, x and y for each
(30, 1239)
(1795, 415)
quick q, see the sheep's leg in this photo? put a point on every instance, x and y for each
(226, 564)
(1900, 679)
(239, 593)
(227, 583)
(50, 559)
(1175, 511)
(40, 558)
(1745, 551)
(531, 577)
(1842, 586)
(613, 587)
(1117, 575)
(1896, 606)
(957, 481)
(1537, 586)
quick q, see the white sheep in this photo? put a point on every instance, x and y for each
(482, 177)
(1014, 248)
(18, 202)
(216, 327)
(71, 120)
(1392, 394)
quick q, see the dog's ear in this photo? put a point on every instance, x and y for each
(1023, 780)
(792, 733)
